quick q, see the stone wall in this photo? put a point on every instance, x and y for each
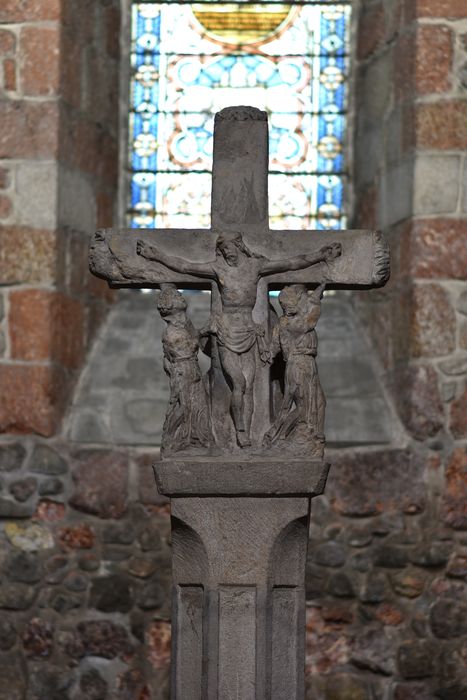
(411, 181)
(85, 570)
(58, 180)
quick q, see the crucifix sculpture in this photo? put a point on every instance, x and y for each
(240, 460)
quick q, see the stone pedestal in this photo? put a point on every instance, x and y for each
(239, 540)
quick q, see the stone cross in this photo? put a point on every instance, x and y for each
(240, 510)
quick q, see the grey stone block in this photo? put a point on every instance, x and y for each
(37, 183)
(138, 421)
(233, 477)
(351, 421)
(88, 426)
(436, 186)
(396, 192)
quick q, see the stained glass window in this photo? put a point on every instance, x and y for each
(190, 60)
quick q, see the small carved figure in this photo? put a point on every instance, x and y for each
(237, 270)
(300, 420)
(187, 423)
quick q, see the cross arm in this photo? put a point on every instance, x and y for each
(115, 256)
(363, 263)
(174, 262)
(299, 262)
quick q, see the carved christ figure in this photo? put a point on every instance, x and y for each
(237, 270)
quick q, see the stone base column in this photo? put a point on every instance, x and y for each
(239, 541)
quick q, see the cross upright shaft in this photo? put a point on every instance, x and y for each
(239, 519)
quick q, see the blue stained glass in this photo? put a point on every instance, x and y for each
(190, 60)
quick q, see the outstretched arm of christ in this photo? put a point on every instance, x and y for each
(150, 252)
(324, 254)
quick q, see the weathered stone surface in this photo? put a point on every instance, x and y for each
(340, 586)
(338, 613)
(38, 638)
(417, 659)
(158, 643)
(63, 602)
(78, 537)
(131, 684)
(56, 568)
(147, 489)
(12, 677)
(389, 615)
(24, 567)
(362, 561)
(355, 487)
(151, 596)
(448, 391)
(33, 397)
(12, 509)
(37, 262)
(359, 537)
(22, 489)
(51, 683)
(88, 562)
(457, 567)
(461, 305)
(106, 496)
(231, 476)
(434, 554)
(30, 538)
(316, 581)
(419, 400)
(142, 567)
(456, 366)
(45, 460)
(76, 582)
(51, 487)
(374, 589)
(7, 634)
(93, 686)
(11, 457)
(391, 556)
(373, 650)
(49, 511)
(150, 537)
(16, 596)
(454, 505)
(437, 248)
(408, 583)
(412, 691)
(345, 686)
(116, 533)
(329, 554)
(111, 594)
(458, 419)
(448, 619)
(99, 638)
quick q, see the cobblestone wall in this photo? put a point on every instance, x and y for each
(85, 571)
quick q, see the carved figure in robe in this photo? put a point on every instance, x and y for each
(187, 422)
(237, 270)
(299, 423)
